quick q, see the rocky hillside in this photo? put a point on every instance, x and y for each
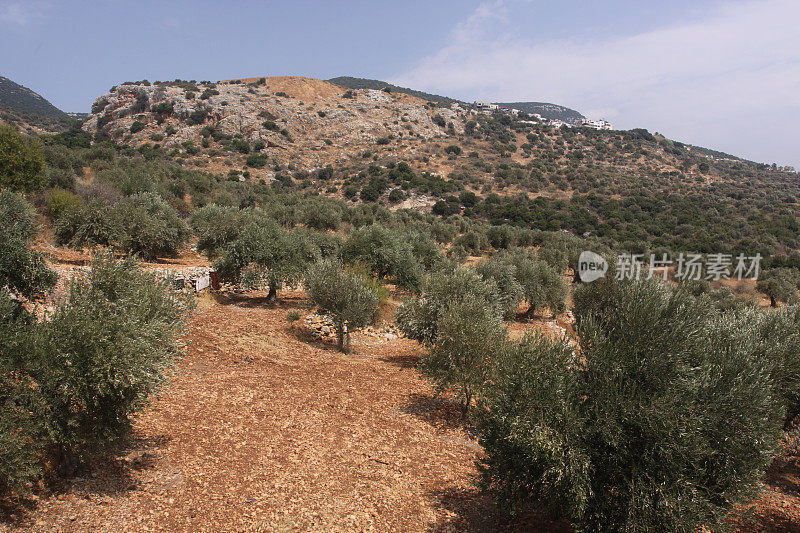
(308, 122)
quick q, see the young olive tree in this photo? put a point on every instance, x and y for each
(145, 224)
(504, 274)
(470, 334)
(108, 346)
(386, 253)
(343, 295)
(22, 270)
(418, 318)
(780, 284)
(23, 274)
(542, 284)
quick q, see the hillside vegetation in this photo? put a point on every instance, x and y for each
(395, 288)
(631, 188)
(26, 108)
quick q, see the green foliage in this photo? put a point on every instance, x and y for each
(418, 318)
(542, 285)
(60, 201)
(528, 422)
(343, 295)
(503, 273)
(22, 270)
(136, 127)
(666, 421)
(321, 214)
(108, 346)
(241, 146)
(86, 226)
(385, 253)
(164, 108)
(396, 195)
(266, 252)
(22, 410)
(469, 335)
(779, 332)
(145, 224)
(256, 160)
(217, 225)
(780, 284)
(21, 161)
(69, 385)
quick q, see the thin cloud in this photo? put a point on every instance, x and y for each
(22, 13)
(742, 60)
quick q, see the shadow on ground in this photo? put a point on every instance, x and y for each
(109, 475)
(403, 361)
(259, 299)
(473, 511)
(441, 413)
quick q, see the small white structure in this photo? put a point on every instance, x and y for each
(487, 106)
(596, 124)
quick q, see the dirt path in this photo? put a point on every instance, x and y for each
(266, 429)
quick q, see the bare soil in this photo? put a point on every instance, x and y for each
(266, 429)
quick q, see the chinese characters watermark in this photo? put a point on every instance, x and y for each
(687, 267)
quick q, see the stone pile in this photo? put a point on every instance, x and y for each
(195, 278)
(322, 326)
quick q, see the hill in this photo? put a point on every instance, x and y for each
(28, 109)
(548, 111)
(630, 188)
(364, 83)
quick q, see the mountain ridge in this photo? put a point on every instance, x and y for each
(28, 109)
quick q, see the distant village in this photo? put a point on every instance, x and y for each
(487, 108)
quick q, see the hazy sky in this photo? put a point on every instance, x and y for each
(725, 75)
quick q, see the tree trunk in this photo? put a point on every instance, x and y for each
(467, 402)
(272, 295)
(342, 338)
(772, 301)
(530, 312)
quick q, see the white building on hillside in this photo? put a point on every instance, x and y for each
(596, 124)
(488, 106)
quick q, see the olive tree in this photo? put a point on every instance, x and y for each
(343, 295)
(22, 270)
(418, 318)
(266, 252)
(664, 421)
(470, 334)
(109, 345)
(145, 224)
(780, 284)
